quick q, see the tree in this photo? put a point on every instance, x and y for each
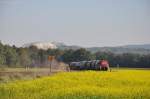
(24, 57)
(2, 56)
(33, 53)
(67, 56)
(81, 55)
(10, 56)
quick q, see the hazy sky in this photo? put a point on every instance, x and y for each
(79, 22)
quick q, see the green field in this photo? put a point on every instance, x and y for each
(124, 84)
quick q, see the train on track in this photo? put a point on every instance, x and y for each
(90, 65)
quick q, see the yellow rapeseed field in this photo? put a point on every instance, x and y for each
(120, 84)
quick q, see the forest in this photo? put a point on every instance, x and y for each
(12, 56)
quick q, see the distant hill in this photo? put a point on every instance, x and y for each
(144, 46)
(119, 50)
(140, 49)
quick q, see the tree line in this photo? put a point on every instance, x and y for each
(12, 56)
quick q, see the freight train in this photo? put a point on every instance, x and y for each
(90, 65)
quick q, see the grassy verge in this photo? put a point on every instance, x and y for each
(12, 74)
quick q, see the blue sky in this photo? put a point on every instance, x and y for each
(75, 22)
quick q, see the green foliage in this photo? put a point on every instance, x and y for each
(24, 57)
(2, 56)
(81, 55)
(77, 55)
(13, 56)
(68, 56)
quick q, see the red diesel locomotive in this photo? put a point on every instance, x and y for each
(90, 65)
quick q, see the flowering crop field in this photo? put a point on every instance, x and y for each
(121, 84)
